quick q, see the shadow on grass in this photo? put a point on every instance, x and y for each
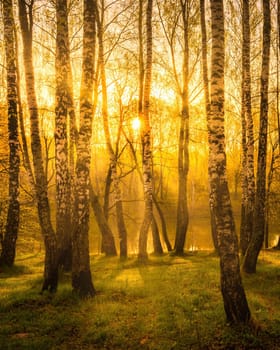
(33, 321)
(16, 270)
(167, 303)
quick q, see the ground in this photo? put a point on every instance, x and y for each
(167, 303)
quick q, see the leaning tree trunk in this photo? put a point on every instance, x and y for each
(156, 238)
(51, 269)
(270, 179)
(72, 141)
(155, 232)
(122, 231)
(102, 213)
(63, 202)
(206, 96)
(163, 224)
(108, 242)
(183, 152)
(235, 302)
(146, 139)
(256, 242)
(26, 159)
(8, 252)
(248, 178)
(277, 246)
(81, 274)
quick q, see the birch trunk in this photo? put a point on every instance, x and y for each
(122, 231)
(146, 139)
(248, 177)
(206, 96)
(81, 273)
(108, 242)
(8, 252)
(183, 152)
(256, 242)
(63, 203)
(235, 302)
(51, 268)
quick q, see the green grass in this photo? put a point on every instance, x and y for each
(168, 303)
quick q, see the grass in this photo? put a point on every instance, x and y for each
(168, 303)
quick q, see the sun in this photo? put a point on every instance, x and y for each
(136, 123)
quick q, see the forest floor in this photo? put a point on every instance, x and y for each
(168, 303)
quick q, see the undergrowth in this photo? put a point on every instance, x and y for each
(168, 303)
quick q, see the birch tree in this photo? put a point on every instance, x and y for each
(235, 302)
(81, 274)
(12, 224)
(146, 136)
(256, 242)
(206, 93)
(248, 177)
(51, 268)
(183, 151)
(63, 203)
(113, 154)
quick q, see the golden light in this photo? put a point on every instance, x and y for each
(136, 123)
(46, 97)
(163, 94)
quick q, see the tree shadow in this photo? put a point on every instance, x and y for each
(16, 270)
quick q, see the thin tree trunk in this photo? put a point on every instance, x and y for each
(156, 239)
(63, 203)
(248, 178)
(256, 242)
(108, 242)
(81, 273)
(206, 96)
(27, 164)
(112, 154)
(183, 152)
(235, 302)
(141, 60)
(269, 184)
(146, 139)
(163, 224)
(155, 201)
(72, 145)
(108, 183)
(102, 213)
(51, 268)
(277, 246)
(8, 252)
(277, 88)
